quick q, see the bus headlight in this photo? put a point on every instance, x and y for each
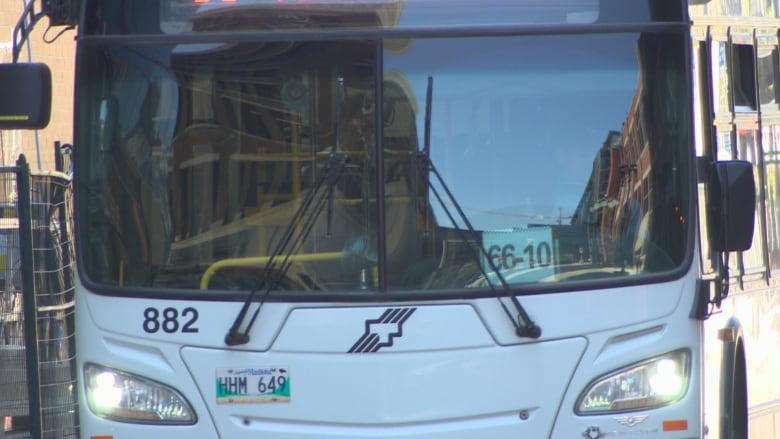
(125, 397)
(649, 384)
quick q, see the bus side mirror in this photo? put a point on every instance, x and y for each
(731, 205)
(25, 96)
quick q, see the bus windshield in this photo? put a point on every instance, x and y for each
(568, 154)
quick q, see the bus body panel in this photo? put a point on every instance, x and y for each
(564, 314)
(424, 383)
(431, 392)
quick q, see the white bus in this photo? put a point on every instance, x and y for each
(421, 218)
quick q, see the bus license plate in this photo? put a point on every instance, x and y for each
(253, 385)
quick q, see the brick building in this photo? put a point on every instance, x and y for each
(59, 54)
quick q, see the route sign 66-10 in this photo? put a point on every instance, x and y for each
(521, 255)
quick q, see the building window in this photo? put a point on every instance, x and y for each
(744, 77)
(768, 76)
(753, 259)
(723, 148)
(771, 145)
(720, 77)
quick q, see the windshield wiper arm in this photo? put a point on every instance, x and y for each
(524, 326)
(303, 221)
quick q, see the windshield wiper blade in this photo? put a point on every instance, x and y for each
(524, 325)
(302, 221)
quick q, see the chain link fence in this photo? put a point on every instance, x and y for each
(14, 401)
(38, 379)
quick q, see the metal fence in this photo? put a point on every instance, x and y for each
(14, 402)
(38, 380)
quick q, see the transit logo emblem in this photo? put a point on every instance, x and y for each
(380, 333)
(631, 421)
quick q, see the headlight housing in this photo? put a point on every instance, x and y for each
(125, 397)
(652, 383)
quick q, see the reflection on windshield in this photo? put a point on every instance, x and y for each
(567, 154)
(178, 16)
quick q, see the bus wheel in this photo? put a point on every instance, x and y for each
(737, 414)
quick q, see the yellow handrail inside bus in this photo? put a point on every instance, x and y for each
(261, 261)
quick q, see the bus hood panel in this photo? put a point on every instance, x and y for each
(399, 375)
